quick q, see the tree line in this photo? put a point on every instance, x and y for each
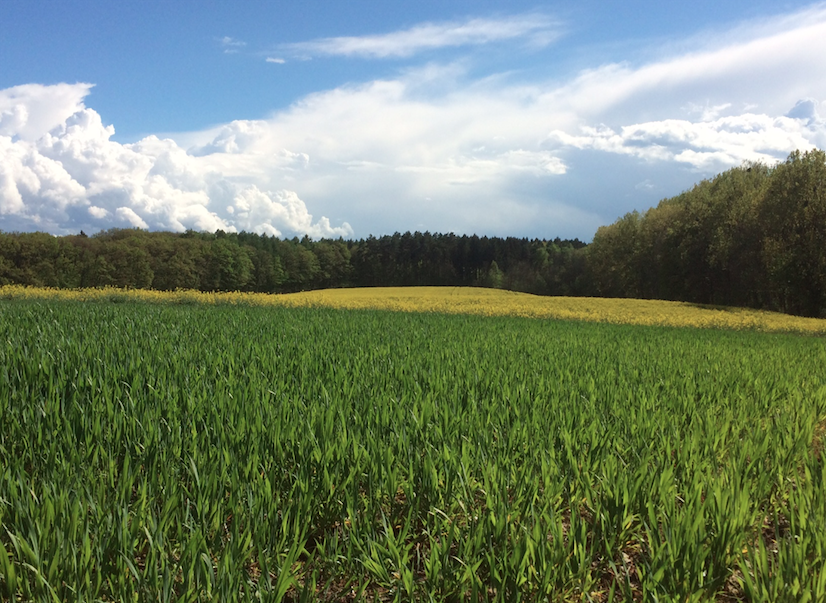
(245, 261)
(752, 236)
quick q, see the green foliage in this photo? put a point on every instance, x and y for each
(166, 453)
(614, 258)
(752, 236)
(494, 276)
(245, 261)
(794, 214)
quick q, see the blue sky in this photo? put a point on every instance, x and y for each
(350, 119)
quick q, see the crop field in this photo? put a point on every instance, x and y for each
(242, 452)
(463, 300)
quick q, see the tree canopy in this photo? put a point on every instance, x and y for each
(752, 236)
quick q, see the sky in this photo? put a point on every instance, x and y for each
(350, 119)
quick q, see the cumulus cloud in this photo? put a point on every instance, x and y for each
(30, 111)
(537, 28)
(431, 148)
(235, 137)
(74, 176)
(254, 209)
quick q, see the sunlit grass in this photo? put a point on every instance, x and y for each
(220, 452)
(467, 300)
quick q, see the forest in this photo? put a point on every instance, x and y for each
(752, 236)
(245, 261)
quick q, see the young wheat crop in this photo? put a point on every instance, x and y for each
(158, 452)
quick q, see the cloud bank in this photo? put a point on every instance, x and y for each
(431, 148)
(61, 172)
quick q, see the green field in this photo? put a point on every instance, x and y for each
(198, 453)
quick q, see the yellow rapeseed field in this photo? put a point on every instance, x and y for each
(465, 300)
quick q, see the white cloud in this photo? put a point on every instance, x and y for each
(772, 70)
(276, 60)
(74, 176)
(523, 151)
(234, 137)
(259, 211)
(130, 218)
(31, 110)
(538, 29)
(424, 151)
(705, 145)
(706, 112)
(98, 212)
(231, 45)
